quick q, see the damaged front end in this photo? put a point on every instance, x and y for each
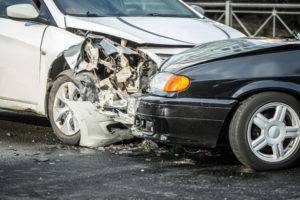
(111, 76)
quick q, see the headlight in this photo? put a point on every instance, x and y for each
(167, 82)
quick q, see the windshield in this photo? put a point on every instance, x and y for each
(129, 8)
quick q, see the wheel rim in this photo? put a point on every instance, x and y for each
(62, 114)
(273, 132)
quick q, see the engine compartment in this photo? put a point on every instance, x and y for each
(110, 75)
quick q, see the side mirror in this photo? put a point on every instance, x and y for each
(198, 9)
(22, 11)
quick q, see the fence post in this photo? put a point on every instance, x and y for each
(274, 13)
(228, 13)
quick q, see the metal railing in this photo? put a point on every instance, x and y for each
(231, 12)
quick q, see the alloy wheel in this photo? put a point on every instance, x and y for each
(274, 132)
(62, 114)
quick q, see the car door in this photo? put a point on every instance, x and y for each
(20, 44)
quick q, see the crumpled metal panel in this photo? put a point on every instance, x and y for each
(110, 77)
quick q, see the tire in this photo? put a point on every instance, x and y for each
(257, 131)
(65, 78)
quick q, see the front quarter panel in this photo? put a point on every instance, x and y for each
(234, 77)
(55, 41)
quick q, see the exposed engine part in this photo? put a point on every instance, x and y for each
(111, 75)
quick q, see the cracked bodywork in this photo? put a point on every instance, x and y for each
(111, 76)
(97, 130)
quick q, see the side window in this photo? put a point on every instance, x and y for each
(45, 13)
(5, 3)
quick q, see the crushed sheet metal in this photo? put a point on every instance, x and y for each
(110, 75)
(72, 55)
(159, 61)
(109, 48)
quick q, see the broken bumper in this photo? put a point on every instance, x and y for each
(185, 121)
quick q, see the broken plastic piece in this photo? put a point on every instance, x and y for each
(94, 126)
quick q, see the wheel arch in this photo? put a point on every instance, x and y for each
(252, 89)
(59, 66)
(266, 86)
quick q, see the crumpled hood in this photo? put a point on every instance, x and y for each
(221, 50)
(156, 30)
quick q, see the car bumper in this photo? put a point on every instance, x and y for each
(185, 121)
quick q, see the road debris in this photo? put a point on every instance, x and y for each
(101, 149)
(149, 146)
(41, 159)
(185, 162)
(33, 154)
(12, 149)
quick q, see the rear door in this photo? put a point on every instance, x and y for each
(20, 44)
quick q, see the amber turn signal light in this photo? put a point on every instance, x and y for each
(177, 84)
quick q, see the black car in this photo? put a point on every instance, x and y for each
(245, 89)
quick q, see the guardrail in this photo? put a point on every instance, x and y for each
(230, 12)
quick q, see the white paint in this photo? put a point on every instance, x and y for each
(155, 30)
(20, 61)
(93, 126)
(55, 41)
(22, 11)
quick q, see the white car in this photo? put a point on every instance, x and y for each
(38, 75)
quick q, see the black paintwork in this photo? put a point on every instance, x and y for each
(182, 120)
(218, 83)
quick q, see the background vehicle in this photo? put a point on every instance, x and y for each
(244, 89)
(34, 34)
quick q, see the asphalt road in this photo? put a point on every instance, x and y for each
(34, 165)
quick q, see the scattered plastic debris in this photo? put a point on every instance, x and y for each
(149, 146)
(41, 159)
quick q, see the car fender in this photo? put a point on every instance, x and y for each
(55, 42)
(266, 85)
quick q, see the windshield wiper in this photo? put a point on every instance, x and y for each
(165, 15)
(155, 14)
(89, 14)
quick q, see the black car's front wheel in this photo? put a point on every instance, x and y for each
(265, 131)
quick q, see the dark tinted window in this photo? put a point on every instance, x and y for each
(5, 3)
(45, 13)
